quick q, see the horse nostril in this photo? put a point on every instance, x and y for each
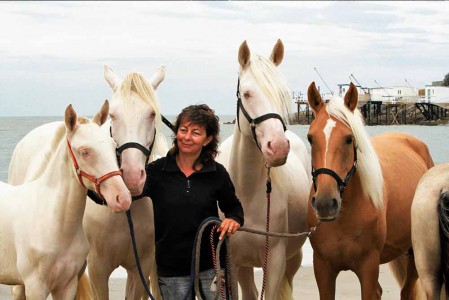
(334, 204)
(313, 202)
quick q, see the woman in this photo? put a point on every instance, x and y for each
(185, 187)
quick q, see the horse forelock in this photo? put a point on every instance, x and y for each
(272, 82)
(136, 83)
(368, 165)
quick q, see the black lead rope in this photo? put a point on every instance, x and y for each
(136, 255)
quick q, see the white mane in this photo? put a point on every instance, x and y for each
(368, 163)
(272, 82)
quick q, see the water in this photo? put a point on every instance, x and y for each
(12, 129)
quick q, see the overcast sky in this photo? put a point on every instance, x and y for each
(52, 53)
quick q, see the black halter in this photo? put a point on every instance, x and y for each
(146, 152)
(251, 121)
(340, 182)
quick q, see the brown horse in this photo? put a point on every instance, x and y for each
(362, 192)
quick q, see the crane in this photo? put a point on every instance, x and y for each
(323, 81)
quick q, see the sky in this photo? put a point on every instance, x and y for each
(52, 53)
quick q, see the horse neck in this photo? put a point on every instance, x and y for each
(66, 200)
(247, 164)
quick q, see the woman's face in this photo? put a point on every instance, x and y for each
(191, 138)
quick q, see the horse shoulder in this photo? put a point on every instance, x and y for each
(298, 148)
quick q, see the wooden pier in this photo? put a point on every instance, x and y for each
(380, 113)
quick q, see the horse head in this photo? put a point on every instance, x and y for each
(93, 156)
(263, 101)
(334, 152)
(135, 117)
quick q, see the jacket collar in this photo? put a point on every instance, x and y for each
(171, 166)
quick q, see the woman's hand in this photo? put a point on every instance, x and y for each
(228, 226)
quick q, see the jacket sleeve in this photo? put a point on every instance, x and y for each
(227, 200)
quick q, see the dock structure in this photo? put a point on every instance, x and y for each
(386, 113)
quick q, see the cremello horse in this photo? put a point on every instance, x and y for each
(264, 96)
(135, 118)
(430, 235)
(42, 241)
(363, 191)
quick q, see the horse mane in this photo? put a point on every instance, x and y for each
(368, 165)
(56, 140)
(272, 82)
(136, 83)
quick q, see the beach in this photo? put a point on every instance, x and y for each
(305, 287)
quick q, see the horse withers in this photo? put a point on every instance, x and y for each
(430, 231)
(259, 140)
(43, 244)
(362, 192)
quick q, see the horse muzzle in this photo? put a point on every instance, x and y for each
(326, 209)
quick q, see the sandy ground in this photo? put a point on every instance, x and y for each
(304, 286)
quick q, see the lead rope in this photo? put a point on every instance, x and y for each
(267, 229)
(218, 276)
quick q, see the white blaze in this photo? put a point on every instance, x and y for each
(327, 134)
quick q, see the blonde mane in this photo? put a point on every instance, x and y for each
(272, 82)
(368, 165)
(136, 83)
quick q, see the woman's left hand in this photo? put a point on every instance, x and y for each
(228, 226)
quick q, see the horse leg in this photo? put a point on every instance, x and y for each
(67, 292)
(99, 273)
(368, 273)
(134, 286)
(36, 289)
(245, 277)
(325, 277)
(18, 292)
(408, 291)
(291, 267)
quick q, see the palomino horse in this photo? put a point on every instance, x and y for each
(43, 244)
(135, 118)
(430, 234)
(362, 192)
(260, 140)
(134, 123)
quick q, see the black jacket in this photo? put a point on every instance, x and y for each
(180, 204)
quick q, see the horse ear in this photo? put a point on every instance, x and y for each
(314, 97)
(351, 97)
(70, 118)
(244, 55)
(277, 55)
(158, 76)
(102, 114)
(111, 78)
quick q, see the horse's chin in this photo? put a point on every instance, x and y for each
(276, 162)
(327, 219)
(136, 191)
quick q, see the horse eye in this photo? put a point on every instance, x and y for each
(247, 94)
(349, 140)
(111, 116)
(84, 152)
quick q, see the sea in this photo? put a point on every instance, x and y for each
(13, 129)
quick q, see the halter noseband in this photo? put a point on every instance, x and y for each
(97, 181)
(251, 121)
(342, 184)
(146, 152)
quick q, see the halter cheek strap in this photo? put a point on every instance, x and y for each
(251, 121)
(95, 180)
(146, 152)
(342, 184)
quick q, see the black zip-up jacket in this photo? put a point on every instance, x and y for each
(180, 204)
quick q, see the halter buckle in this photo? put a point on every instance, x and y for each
(78, 171)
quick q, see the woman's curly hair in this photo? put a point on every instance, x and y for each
(201, 115)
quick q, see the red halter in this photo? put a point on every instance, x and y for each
(97, 181)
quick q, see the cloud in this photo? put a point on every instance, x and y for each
(51, 51)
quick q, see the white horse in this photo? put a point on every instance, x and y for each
(42, 241)
(135, 118)
(430, 236)
(264, 97)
